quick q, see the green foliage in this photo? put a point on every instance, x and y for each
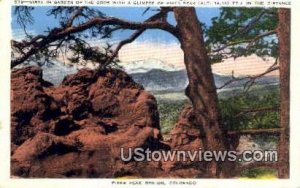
(83, 53)
(169, 111)
(234, 110)
(264, 173)
(231, 105)
(238, 32)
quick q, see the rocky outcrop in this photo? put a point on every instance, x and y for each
(78, 128)
(30, 105)
(185, 131)
(186, 136)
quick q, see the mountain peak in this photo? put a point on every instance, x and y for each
(144, 66)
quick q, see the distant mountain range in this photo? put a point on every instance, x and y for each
(153, 74)
(159, 80)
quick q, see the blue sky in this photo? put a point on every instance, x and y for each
(42, 21)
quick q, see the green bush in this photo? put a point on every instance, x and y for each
(233, 110)
(169, 111)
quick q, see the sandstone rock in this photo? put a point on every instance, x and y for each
(185, 130)
(77, 128)
(29, 104)
(185, 136)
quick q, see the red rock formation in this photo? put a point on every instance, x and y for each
(78, 128)
(185, 136)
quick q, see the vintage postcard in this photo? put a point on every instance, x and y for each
(149, 93)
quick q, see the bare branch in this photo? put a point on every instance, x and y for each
(145, 11)
(111, 31)
(24, 17)
(134, 36)
(251, 79)
(250, 42)
(162, 14)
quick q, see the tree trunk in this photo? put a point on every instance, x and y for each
(283, 33)
(201, 89)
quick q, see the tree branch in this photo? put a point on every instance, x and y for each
(157, 21)
(248, 41)
(268, 109)
(249, 26)
(76, 14)
(274, 131)
(251, 79)
(134, 36)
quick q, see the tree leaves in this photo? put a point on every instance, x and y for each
(247, 112)
(242, 32)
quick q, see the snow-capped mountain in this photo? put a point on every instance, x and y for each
(144, 66)
(158, 80)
